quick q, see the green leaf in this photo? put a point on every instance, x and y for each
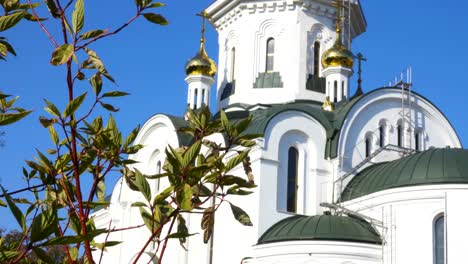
(240, 215)
(150, 223)
(162, 196)
(43, 225)
(191, 153)
(53, 8)
(92, 34)
(8, 255)
(78, 16)
(8, 47)
(42, 255)
(62, 54)
(154, 5)
(156, 19)
(139, 204)
(2, 203)
(11, 20)
(97, 63)
(236, 160)
(51, 108)
(142, 185)
(115, 94)
(6, 119)
(96, 83)
(109, 107)
(53, 135)
(74, 105)
(101, 190)
(184, 198)
(15, 210)
(64, 240)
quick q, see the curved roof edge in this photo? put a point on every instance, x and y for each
(321, 227)
(431, 167)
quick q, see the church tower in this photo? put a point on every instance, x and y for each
(270, 51)
(200, 71)
(337, 63)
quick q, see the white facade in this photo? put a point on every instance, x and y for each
(329, 145)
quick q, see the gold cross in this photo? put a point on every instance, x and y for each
(204, 16)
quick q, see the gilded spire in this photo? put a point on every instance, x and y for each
(201, 64)
(338, 55)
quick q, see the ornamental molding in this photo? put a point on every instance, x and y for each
(251, 9)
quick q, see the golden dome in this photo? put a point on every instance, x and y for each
(201, 64)
(338, 55)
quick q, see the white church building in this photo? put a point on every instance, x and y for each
(343, 176)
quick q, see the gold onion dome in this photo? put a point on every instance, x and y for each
(201, 64)
(338, 55)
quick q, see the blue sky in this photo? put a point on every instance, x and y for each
(148, 61)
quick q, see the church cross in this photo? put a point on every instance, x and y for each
(360, 59)
(204, 16)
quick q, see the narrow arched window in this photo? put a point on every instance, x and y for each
(233, 63)
(400, 135)
(195, 99)
(293, 162)
(439, 240)
(317, 58)
(270, 55)
(202, 97)
(342, 90)
(417, 141)
(381, 136)
(336, 92)
(368, 146)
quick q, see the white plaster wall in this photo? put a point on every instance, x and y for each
(408, 215)
(315, 252)
(302, 131)
(247, 26)
(385, 105)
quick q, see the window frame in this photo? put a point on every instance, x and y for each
(270, 55)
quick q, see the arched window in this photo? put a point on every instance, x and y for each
(381, 135)
(317, 58)
(195, 99)
(233, 63)
(158, 167)
(417, 140)
(439, 240)
(270, 55)
(342, 90)
(293, 160)
(400, 135)
(336, 92)
(368, 146)
(202, 97)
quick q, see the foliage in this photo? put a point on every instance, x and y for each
(12, 238)
(53, 211)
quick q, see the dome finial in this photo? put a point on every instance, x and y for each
(338, 54)
(201, 64)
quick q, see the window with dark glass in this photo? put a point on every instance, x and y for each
(368, 147)
(439, 240)
(195, 99)
(202, 97)
(233, 63)
(400, 135)
(342, 89)
(336, 91)
(417, 140)
(291, 197)
(381, 136)
(316, 58)
(270, 55)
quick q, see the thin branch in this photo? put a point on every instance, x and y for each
(42, 25)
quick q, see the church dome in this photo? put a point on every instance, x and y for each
(434, 166)
(338, 55)
(321, 227)
(201, 64)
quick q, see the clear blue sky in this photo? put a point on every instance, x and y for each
(148, 61)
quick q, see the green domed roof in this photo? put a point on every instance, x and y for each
(321, 227)
(434, 166)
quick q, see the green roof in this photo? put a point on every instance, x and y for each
(434, 166)
(321, 227)
(268, 80)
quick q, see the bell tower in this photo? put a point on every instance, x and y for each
(270, 51)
